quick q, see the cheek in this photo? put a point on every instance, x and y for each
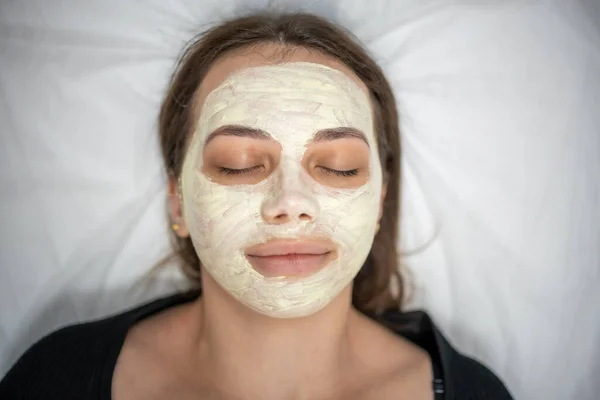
(223, 219)
(220, 218)
(350, 216)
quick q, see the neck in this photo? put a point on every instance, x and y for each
(250, 355)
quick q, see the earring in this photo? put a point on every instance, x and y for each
(175, 227)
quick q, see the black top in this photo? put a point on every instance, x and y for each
(77, 362)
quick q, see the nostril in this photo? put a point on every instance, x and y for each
(289, 206)
(305, 217)
(281, 217)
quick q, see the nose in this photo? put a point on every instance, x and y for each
(289, 202)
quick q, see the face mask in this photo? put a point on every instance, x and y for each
(291, 102)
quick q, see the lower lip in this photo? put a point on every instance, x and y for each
(289, 265)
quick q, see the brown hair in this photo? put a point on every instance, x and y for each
(378, 285)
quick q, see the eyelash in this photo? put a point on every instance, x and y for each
(347, 174)
(244, 171)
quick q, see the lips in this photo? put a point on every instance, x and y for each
(290, 257)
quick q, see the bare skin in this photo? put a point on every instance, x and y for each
(216, 348)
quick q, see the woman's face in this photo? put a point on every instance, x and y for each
(282, 183)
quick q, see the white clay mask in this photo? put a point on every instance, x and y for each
(291, 102)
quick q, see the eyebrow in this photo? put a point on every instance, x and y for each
(239, 131)
(339, 133)
(323, 135)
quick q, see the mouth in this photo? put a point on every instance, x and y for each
(293, 258)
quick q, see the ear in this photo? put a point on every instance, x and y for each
(176, 210)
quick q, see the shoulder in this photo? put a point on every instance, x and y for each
(68, 362)
(77, 361)
(462, 377)
(469, 379)
(465, 377)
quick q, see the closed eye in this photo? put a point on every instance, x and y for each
(346, 173)
(243, 171)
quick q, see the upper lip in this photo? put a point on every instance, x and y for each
(283, 247)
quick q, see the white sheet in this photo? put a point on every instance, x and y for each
(499, 104)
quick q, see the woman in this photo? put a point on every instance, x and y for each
(280, 138)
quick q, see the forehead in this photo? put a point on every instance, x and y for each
(298, 98)
(264, 55)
